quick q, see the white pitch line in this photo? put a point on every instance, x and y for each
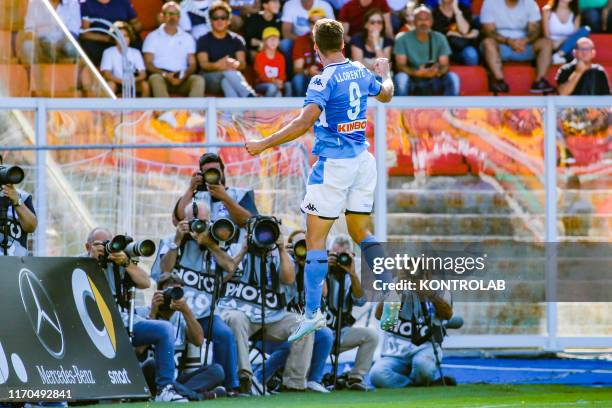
(533, 369)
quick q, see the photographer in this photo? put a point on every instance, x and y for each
(238, 204)
(342, 265)
(166, 302)
(241, 309)
(408, 356)
(17, 216)
(195, 258)
(118, 269)
(323, 338)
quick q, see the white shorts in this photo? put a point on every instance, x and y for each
(335, 185)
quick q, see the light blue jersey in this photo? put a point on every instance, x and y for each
(341, 91)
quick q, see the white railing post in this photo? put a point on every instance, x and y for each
(380, 152)
(211, 123)
(41, 193)
(550, 187)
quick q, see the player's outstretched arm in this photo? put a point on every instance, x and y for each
(383, 69)
(296, 128)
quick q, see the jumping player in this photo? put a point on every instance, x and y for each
(344, 177)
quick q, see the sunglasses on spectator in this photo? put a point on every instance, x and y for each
(220, 17)
(585, 49)
(375, 21)
(172, 13)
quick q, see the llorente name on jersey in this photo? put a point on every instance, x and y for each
(348, 75)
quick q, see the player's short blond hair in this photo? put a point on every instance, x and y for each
(328, 35)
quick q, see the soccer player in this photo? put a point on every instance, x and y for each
(344, 177)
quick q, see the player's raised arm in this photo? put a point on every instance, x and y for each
(383, 69)
(296, 128)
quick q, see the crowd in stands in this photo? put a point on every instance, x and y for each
(247, 48)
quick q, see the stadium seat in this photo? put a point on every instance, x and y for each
(6, 46)
(54, 80)
(473, 80)
(12, 14)
(603, 45)
(476, 6)
(519, 78)
(147, 11)
(14, 80)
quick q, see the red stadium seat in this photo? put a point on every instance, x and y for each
(14, 81)
(474, 80)
(6, 46)
(148, 11)
(519, 78)
(55, 80)
(603, 47)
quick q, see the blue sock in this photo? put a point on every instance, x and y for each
(370, 250)
(314, 275)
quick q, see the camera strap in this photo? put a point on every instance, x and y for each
(429, 47)
(120, 295)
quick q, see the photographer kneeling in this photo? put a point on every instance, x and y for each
(242, 305)
(196, 258)
(167, 301)
(17, 216)
(118, 269)
(408, 356)
(341, 261)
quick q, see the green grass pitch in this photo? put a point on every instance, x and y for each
(473, 395)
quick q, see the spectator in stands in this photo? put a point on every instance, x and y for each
(112, 64)
(169, 55)
(352, 16)
(422, 59)
(194, 17)
(241, 10)
(581, 76)
(371, 43)
(408, 17)
(455, 21)
(222, 55)
(270, 66)
(306, 62)
(398, 13)
(596, 14)
(561, 24)
(513, 32)
(257, 23)
(94, 43)
(43, 39)
(296, 23)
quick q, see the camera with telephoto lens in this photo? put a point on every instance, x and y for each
(145, 248)
(263, 232)
(223, 230)
(11, 175)
(299, 249)
(210, 176)
(197, 225)
(170, 294)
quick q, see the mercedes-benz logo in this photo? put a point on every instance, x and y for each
(41, 312)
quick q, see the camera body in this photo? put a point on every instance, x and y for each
(170, 294)
(263, 232)
(209, 176)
